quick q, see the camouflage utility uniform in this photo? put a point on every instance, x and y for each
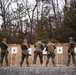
(4, 52)
(50, 53)
(71, 52)
(24, 47)
(39, 46)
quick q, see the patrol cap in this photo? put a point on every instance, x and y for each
(24, 40)
(4, 39)
(39, 39)
(70, 38)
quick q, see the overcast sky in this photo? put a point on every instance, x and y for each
(60, 2)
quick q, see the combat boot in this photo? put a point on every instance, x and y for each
(7, 64)
(20, 65)
(41, 65)
(34, 65)
(27, 65)
(75, 64)
(46, 65)
(1, 64)
(54, 65)
(67, 65)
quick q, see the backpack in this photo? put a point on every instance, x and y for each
(50, 48)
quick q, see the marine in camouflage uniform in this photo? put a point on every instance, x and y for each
(4, 51)
(71, 51)
(50, 53)
(39, 46)
(24, 47)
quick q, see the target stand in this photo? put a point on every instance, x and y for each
(59, 53)
(30, 55)
(44, 56)
(13, 56)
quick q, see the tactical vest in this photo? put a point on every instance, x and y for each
(4, 46)
(71, 47)
(50, 48)
(24, 46)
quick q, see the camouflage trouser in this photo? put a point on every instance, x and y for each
(36, 53)
(52, 55)
(4, 54)
(73, 58)
(22, 59)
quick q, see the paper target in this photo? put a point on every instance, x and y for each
(75, 50)
(44, 51)
(59, 50)
(14, 50)
(30, 51)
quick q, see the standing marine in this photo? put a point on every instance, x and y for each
(4, 51)
(71, 51)
(50, 47)
(39, 46)
(24, 47)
